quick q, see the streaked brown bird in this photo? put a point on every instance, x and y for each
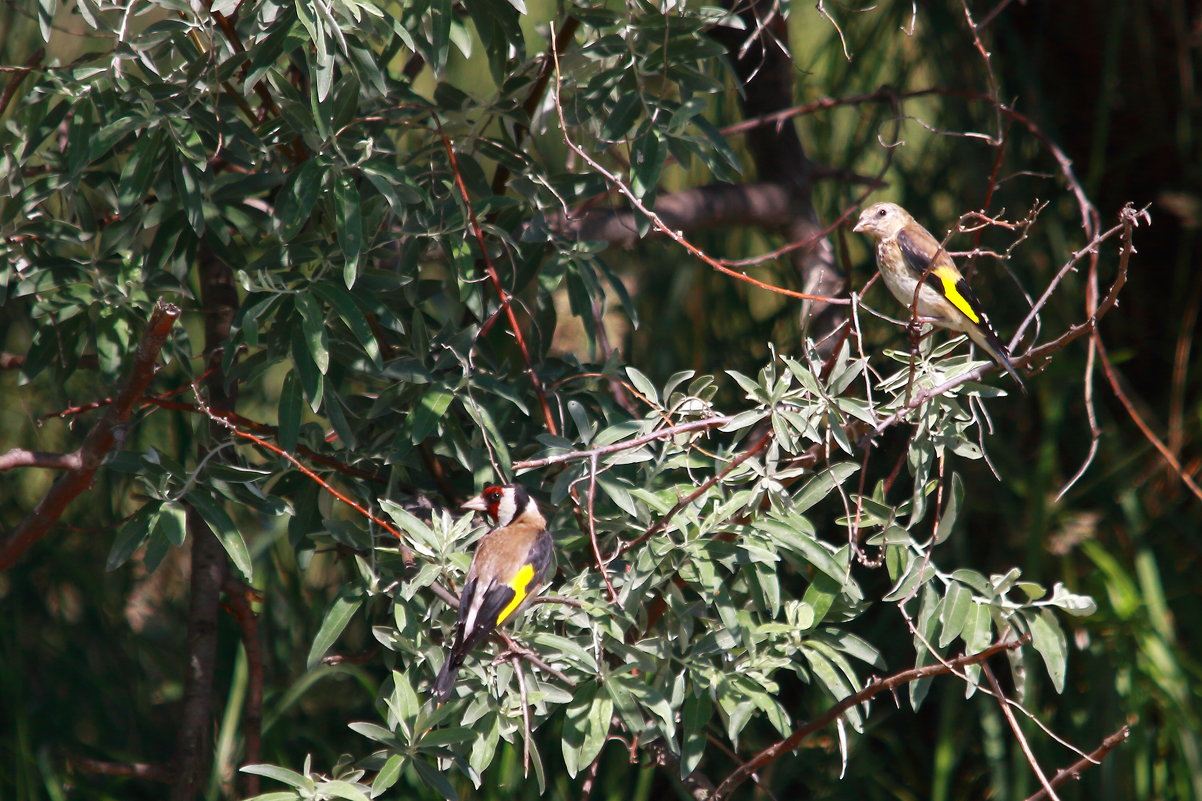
(906, 254)
(509, 567)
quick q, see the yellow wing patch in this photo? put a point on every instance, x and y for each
(520, 584)
(958, 300)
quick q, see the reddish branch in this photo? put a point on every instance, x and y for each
(662, 523)
(406, 554)
(658, 223)
(99, 442)
(761, 204)
(238, 596)
(1095, 757)
(790, 743)
(495, 279)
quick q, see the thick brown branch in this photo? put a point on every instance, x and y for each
(99, 442)
(791, 742)
(19, 457)
(194, 738)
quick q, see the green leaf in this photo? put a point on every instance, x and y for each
(429, 411)
(298, 198)
(284, 775)
(132, 534)
(435, 779)
(349, 224)
(191, 197)
(223, 527)
(957, 607)
(948, 521)
(134, 184)
(388, 775)
(1049, 640)
(585, 726)
(172, 523)
(341, 789)
(643, 384)
(313, 326)
(695, 716)
(343, 304)
(340, 613)
(311, 380)
(290, 407)
(821, 485)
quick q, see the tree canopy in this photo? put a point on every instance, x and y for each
(284, 284)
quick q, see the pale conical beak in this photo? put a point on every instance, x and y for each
(477, 504)
(859, 226)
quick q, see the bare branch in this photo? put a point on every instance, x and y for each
(1095, 757)
(19, 457)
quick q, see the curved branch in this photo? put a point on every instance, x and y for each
(1095, 757)
(790, 743)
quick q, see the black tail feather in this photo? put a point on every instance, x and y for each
(445, 681)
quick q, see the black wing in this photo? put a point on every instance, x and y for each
(919, 252)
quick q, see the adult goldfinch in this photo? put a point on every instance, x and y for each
(906, 254)
(509, 566)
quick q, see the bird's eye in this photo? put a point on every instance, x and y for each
(881, 213)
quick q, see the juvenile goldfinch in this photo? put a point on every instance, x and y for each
(509, 566)
(906, 254)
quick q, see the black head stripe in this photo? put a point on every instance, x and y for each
(521, 500)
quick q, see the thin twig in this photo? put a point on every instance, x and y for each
(656, 221)
(495, 279)
(406, 554)
(602, 565)
(1095, 757)
(530, 656)
(1018, 732)
(662, 523)
(626, 444)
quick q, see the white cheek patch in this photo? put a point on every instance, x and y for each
(506, 509)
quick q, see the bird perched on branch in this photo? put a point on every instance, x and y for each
(510, 565)
(907, 254)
